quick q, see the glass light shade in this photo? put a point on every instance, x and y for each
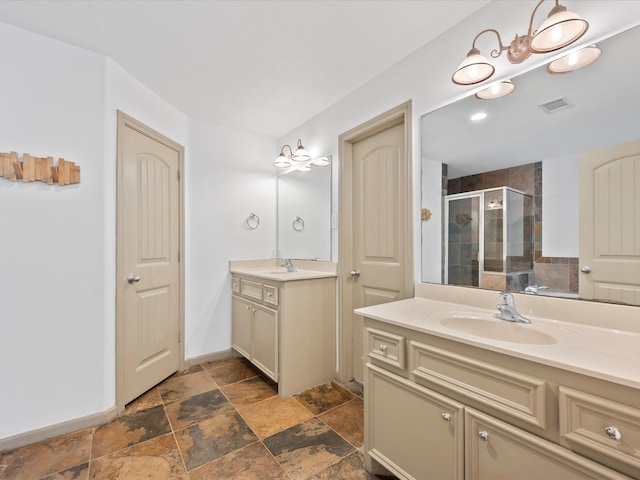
(560, 29)
(303, 168)
(282, 161)
(321, 162)
(473, 69)
(575, 60)
(301, 155)
(496, 90)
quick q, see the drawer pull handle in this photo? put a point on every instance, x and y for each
(613, 432)
(446, 416)
(383, 348)
(484, 436)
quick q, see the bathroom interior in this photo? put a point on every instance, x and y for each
(504, 195)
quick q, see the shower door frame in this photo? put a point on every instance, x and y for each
(459, 196)
(505, 212)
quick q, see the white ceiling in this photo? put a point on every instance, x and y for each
(261, 66)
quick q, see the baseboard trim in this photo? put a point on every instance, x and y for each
(45, 433)
(209, 357)
(51, 431)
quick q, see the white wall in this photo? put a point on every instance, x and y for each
(229, 175)
(57, 270)
(52, 267)
(431, 242)
(560, 221)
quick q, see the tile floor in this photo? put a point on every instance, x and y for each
(219, 420)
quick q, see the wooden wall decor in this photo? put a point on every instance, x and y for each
(40, 169)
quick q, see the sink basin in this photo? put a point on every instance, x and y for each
(277, 272)
(487, 327)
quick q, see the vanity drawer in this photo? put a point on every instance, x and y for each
(519, 395)
(600, 426)
(270, 294)
(386, 347)
(251, 289)
(235, 285)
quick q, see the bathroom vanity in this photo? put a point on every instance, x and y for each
(284, 322)
(451, 392)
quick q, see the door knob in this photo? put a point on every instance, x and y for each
(585, 269)
(133, 278)
(355, 273)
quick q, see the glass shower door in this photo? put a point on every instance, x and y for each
(463, 241)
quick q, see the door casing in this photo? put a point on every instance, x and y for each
(402, 114)
(125, 121)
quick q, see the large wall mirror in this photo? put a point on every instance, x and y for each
(304, 213)
(531, 142)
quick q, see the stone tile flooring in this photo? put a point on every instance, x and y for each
(220, 420)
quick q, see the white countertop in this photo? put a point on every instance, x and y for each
(272, 269)
(606, 353)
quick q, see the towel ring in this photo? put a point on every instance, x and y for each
(298, 224)
(252, 221)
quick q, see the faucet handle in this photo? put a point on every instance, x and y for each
(507, 298)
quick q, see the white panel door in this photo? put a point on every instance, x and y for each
(149, 244)
(379, 217)
(610, 224)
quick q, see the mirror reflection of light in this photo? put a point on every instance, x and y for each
(478, 116)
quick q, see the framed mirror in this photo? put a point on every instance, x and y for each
(531, 141)
(304, 212)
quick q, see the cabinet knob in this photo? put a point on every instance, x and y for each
(131, 278)
(446, 416)
(383, 348)
(613, 432)
(484, 436)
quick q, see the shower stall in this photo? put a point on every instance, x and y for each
(489, 239)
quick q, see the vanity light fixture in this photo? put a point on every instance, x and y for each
(575, 60)
(497, 90)
(300, 155)
(560, 29)
(494, 204)
(321, 161)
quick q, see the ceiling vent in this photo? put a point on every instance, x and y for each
(555, 105)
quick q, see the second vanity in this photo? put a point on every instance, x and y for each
(453, 393)
(284, 322)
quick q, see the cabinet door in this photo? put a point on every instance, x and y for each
(495, 450)
(241, 318)
(265, 341)
(412, 431)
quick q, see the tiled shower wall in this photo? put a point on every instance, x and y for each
(558, 273)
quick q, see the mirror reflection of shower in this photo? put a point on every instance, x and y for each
(489, 239)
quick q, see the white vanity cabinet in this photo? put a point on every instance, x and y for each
(414, 430)
(437, 408)
(255, 334)
(286, 329)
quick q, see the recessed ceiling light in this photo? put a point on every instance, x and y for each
(478, 116)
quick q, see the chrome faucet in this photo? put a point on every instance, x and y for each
(289, 266)
(533, 289)
(508, 310)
